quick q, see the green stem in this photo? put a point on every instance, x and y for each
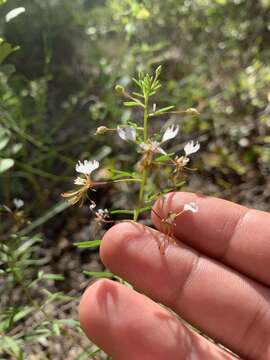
(145, 120)
(145, 171)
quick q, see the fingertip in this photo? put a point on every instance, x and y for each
(95, 304)
(117, 237)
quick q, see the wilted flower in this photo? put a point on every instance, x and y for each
(102, 130)
(192, 112)
(127, 133)
(86, 168)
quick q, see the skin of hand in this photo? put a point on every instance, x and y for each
(216, 277)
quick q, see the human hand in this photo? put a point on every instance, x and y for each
(216, 277)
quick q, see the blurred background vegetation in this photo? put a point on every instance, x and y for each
(57, 87)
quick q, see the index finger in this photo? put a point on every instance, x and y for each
(228, 232)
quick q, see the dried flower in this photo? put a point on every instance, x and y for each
(102, 130)
(192, 112)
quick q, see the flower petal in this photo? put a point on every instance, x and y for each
(161, 151)
(191, 147)
(87, 167)
(170, 133)
(127, 133)
(18, 203)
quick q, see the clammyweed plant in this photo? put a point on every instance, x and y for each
(155, 171)
(152, 159)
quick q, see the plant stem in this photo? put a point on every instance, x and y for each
(145, 171)
(145, 120)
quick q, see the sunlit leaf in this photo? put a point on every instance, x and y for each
(6, 164)
(14, 13)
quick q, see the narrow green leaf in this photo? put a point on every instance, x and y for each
(165, 109)
(87, 244)
(102, 274)
(138, 94)
(120, 174)
(132, 103)
(56, 277)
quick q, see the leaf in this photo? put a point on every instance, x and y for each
(69, 322)
(5, 50)
(132, 103)
(85, 355)
(120, 174)
(164, 158)
(7, 69)
(102, 274)
(6, 164)
(87, 244)
(56, 329)
(3, 142)
(56, 277)
(14, 13)
(11, 346)
(165, 109)
(121, 211)
(16, 148)
(137, 94)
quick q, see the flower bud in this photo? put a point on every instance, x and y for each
(119, 89)
(158, 70)
(192, 112)
(101, 130)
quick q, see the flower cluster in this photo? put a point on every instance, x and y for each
(151, 147)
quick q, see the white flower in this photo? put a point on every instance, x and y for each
(127, 133)
(152, 146)
(18, 203)
(102, 213)
(79, 181)
(86, 167)
(170, 133)
(192, 206)
(191, 147)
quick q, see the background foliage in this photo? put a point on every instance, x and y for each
(57, 88)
